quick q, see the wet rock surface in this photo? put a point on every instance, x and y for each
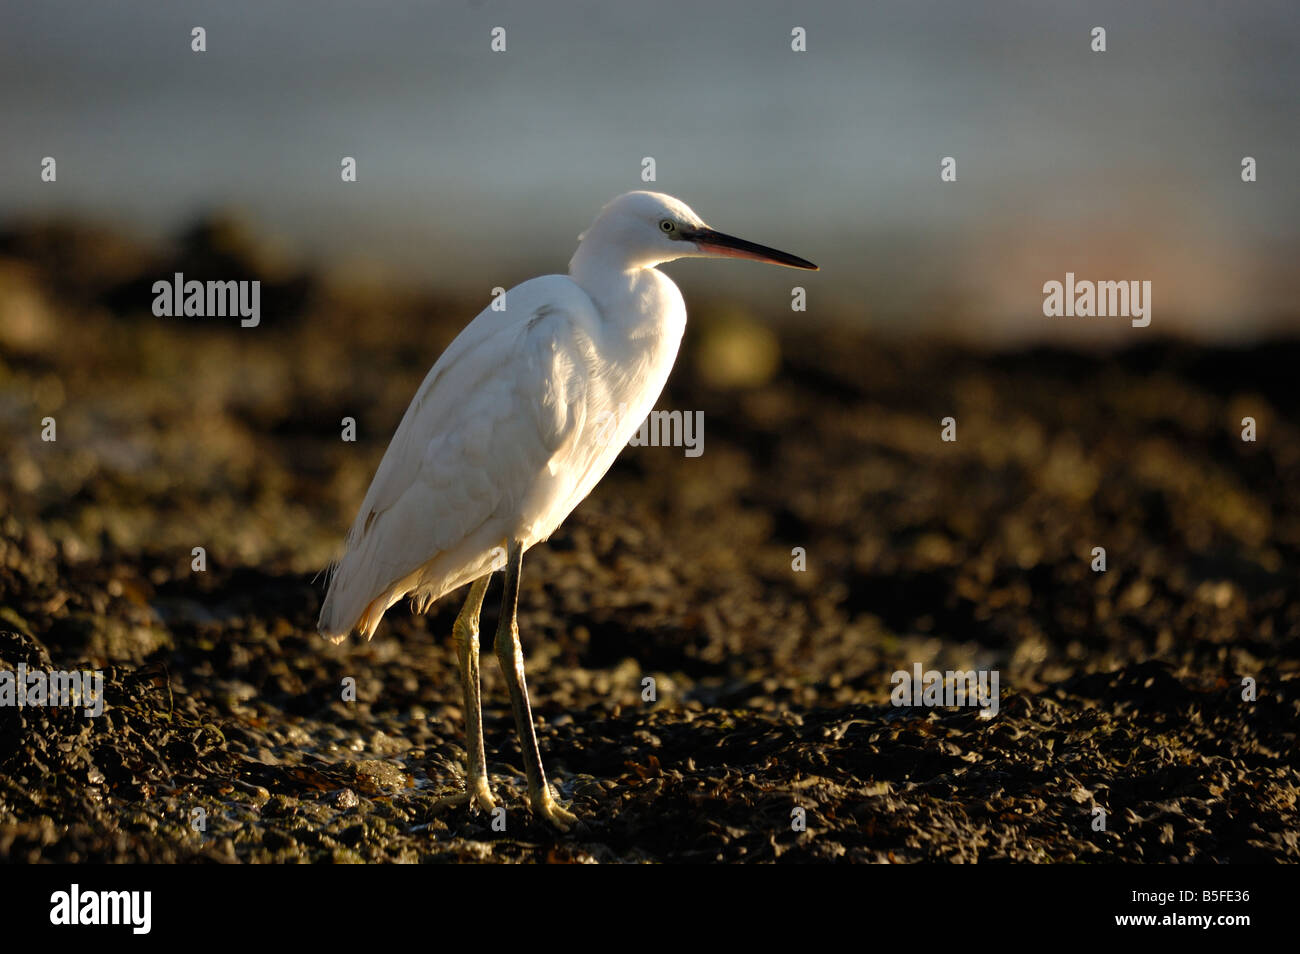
(227, 734)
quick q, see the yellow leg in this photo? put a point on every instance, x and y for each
(477, 791)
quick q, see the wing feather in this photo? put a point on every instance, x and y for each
(504, 405)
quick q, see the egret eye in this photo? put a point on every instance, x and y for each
(667, 225)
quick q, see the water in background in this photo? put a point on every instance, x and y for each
(479, 169)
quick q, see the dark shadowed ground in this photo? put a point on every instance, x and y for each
(1120, 690)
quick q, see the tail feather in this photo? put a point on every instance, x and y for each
(351, 602)
(365, 582)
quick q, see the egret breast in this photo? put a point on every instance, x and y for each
(635, 348)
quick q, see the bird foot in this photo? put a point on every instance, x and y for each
(477, 795)
(482, 795)
(545, 806)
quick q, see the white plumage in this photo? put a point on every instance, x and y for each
(506, 436)
(513, 426)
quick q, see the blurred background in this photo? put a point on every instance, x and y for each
(822, 428)
(479, 169)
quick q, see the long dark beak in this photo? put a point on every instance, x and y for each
(718, 243)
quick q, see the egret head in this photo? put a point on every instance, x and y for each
(643, 229)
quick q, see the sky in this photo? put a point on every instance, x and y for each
(479, 168)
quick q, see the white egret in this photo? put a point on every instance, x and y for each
(510, 430)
